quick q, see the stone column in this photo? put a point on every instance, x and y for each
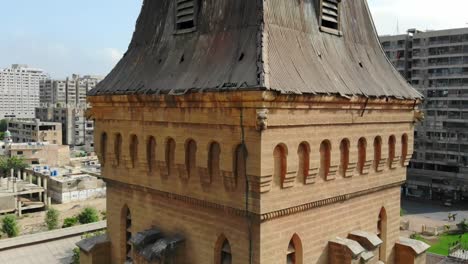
(40, 197)
(15, 186)
(30, 178)
(12, 173)
(19, 208)
(39, 179)
(45, 192)
(18, 173)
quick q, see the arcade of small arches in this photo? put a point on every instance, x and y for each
(326, 169)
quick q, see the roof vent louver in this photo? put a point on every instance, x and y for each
(185, 16)
(330, 16)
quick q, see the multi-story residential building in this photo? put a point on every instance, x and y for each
(34, 130)
(70, 91)
(19, 91)
(436, 63)
(77, 130)
(260, 132)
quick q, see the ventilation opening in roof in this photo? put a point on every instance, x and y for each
(185, 16)
(330, 16)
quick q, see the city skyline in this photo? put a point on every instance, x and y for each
(94, 39)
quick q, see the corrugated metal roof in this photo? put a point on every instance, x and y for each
(255, 45)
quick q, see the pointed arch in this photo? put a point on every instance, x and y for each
(133, 149)
(404, 148)
(391, 150)
(190, 157)
(344, 157)
(170, 155)
(325, 158)
(223, 251)
(214, 153)
(362, 155)
(377, 152)
(118, 148)
(103, 148)
(303, 153)
(294, 251)
(280, 154)
(151, 153)
(382, 233)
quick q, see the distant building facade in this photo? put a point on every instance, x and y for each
(68, 92)
(19, 91)
(34, 130)
(77, 130)
(436, 64)
(262, 132)
(35, 153)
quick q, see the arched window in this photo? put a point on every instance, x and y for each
(118, 148)
(133, 150)
(404, 149)
(294, 254)
(362, 146)
(127, 224)
(103, 148)
(382, 232)
(214, 170)
(223, 254)
(303, 153)
(325, 158)
(344, 161)
(240, 166)
(151, 153)
(190, 157)
(170, 155)
(391, 150)
(280, 164)
(377, 152)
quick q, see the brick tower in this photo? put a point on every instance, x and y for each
(254, 131)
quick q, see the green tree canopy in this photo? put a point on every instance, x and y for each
(16, 163)
(3, 125)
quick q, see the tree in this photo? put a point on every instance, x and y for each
(10, 226)
(88, 215)
(69, 222)
(16, 163)
(3, 125)
(52, 218)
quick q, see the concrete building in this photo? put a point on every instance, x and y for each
(19, 91)
(77, 130)
(40, 153)
(436, 64)
(68, 92)
(34, 130)
(260, 132)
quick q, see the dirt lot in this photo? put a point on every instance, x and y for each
(34, 222)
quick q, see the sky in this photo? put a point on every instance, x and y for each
(90, 36)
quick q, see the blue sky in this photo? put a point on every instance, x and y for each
(90, 36)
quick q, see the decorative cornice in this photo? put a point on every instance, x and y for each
(254, 216)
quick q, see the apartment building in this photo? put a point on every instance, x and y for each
(436, 64)
(70, 91)
(76, 129)
(19, 91)
(34, 130)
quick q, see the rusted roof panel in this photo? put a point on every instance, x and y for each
(256, 45)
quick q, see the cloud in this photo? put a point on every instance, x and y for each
(421, 14)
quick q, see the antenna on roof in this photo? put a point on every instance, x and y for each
(397, 27)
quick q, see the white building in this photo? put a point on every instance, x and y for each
(19, 91)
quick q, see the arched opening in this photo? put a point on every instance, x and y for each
(303, 153)
(280, 163)
(391, 150)
(325, 158)
(103, 148)
(377, 152)
(170, 155)
(382, 232)
(240, 163)
(127, 225)
(151, 153)
(362, 153)
(294, 253)
(190, 157)
(133, 150)
(118, 148)
(344, 160)
(214, 170)
(223, 254)
(404, 148)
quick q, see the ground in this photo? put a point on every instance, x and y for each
(34, 222)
